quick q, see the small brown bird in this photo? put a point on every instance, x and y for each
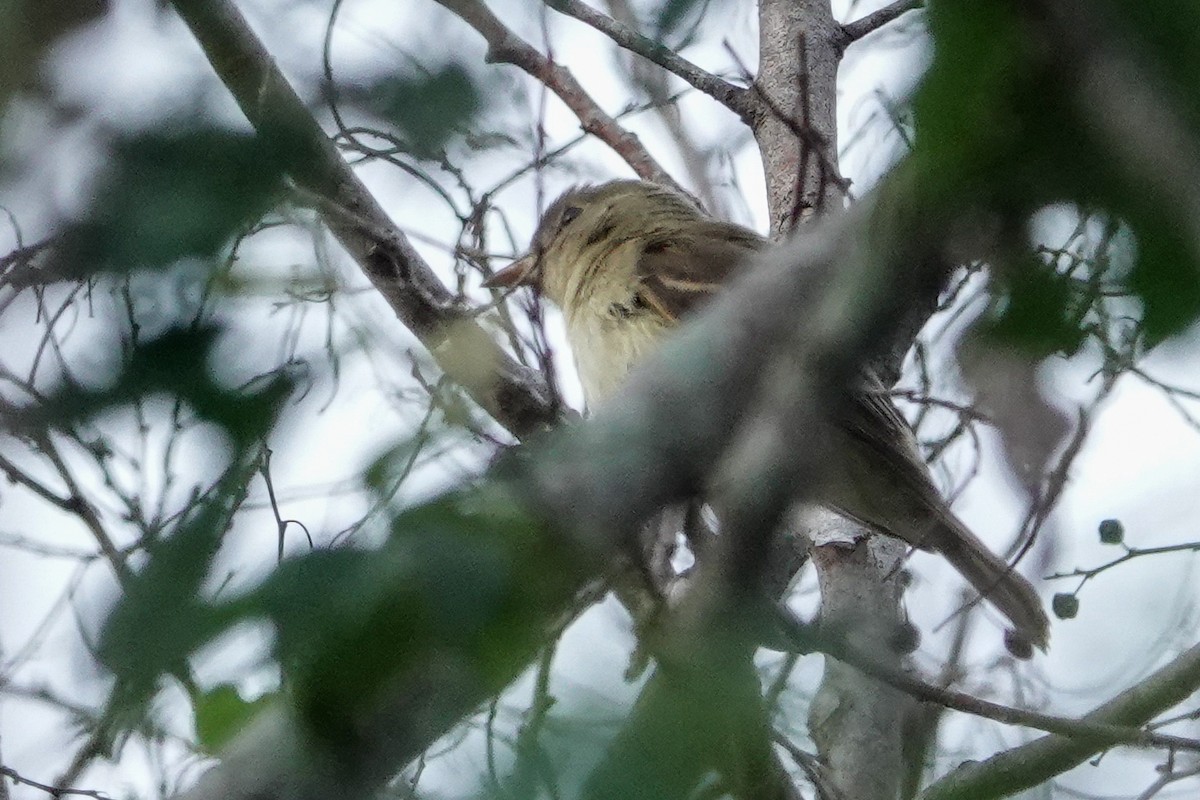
(626, 261)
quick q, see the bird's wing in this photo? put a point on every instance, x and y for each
(880, 442)
(874, 420)
(678, 274)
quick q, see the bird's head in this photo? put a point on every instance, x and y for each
(581, 230)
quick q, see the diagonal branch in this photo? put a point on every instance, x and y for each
(594, 482)
(505, 47)
(737, 99)
(1088, 732)
(1036, 762)
(513, 394)
(872, 22)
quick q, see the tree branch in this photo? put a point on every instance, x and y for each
(855, 722)
(505, 47)
(853, 31)
(1031, 764)
(738, 99)
(1095, 733)
(513, 394)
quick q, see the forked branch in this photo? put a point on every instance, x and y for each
(505, 47)
(738, 99)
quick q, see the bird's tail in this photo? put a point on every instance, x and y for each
(995, 580)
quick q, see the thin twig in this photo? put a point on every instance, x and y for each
(53, 791)
(872, 22)
(738, 99)
(505, 47)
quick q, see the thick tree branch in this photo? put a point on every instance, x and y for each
(738, 99)
(855, 722)
(799, 54)
(1031, 764)
(512, 393)
(596, 482)
(505, 47)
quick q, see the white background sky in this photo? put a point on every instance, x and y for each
(139, 67)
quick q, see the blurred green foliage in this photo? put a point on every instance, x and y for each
(428, 109)
(1033, 310)
(221, 713)
(177, 364)
(29, 28)
(172, 195)
(999, 120)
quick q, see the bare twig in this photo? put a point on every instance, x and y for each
(737, 99)
(505, 47)
(1129, 554)
(872, 22)
(1096, 733)
(818, 773)
(1166, 779)
(53, 791)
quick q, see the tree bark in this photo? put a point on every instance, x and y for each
(855, 721)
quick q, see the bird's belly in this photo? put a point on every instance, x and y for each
(607, 349)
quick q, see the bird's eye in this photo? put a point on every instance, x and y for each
(569, 213)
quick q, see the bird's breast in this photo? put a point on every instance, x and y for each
(608, 341)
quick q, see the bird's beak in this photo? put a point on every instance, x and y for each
(521, 272)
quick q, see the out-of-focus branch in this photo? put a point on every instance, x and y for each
(872, 22)
(505, 47)
(515, 395)
(597, 481)
(1031, 764)
(737, 99)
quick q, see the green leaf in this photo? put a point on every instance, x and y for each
(28, 31)
(221, 713)
(672, 13)
(162, 618)
(170, 196)
(427, 109)
(174, 363)
(1166, 277)
(466, 581)
(1034, 313)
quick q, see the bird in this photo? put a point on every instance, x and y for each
(628, 260)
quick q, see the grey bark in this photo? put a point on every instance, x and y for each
(856, 722)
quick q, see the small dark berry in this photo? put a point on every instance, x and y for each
(1112, 531)
(1065, 606)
